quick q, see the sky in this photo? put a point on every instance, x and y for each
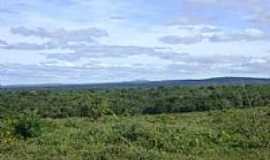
(97, 41)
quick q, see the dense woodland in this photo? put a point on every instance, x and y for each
(132, 101)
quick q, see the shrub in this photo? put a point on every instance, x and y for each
(130, 131)
(27, 125)
(6, 135)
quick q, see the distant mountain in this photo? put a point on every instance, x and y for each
(147, 84)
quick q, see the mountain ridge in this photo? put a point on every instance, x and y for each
(147, 83)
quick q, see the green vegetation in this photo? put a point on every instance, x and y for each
(181, 123)
(95, 103)
(231, 135)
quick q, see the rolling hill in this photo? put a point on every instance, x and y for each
(144, 83)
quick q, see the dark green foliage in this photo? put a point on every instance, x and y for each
(27, 125)
(95, 103)
(225, 123)
(22, 125)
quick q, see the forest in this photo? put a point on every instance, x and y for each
(133, 101)
(180, 122)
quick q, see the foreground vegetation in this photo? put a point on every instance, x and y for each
(231, 135)
(181, 123)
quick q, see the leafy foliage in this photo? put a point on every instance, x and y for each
(95, 103)
(231, 134)
(25, 125)
(227, 122)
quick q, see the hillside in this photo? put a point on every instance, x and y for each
(228, 122)
(144, 83)
(225, 135)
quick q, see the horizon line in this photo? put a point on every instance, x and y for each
(134, 81)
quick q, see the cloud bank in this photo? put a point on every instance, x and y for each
(79, 41)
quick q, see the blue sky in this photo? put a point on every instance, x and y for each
(94, 41)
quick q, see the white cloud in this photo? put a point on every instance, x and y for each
(132, 39)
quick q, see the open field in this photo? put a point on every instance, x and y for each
(232, 134)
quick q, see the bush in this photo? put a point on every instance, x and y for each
(6, 135)
(27, 125)
(130, 131)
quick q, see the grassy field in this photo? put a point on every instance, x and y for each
(230, 135)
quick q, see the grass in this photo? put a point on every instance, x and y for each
(230, 135)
